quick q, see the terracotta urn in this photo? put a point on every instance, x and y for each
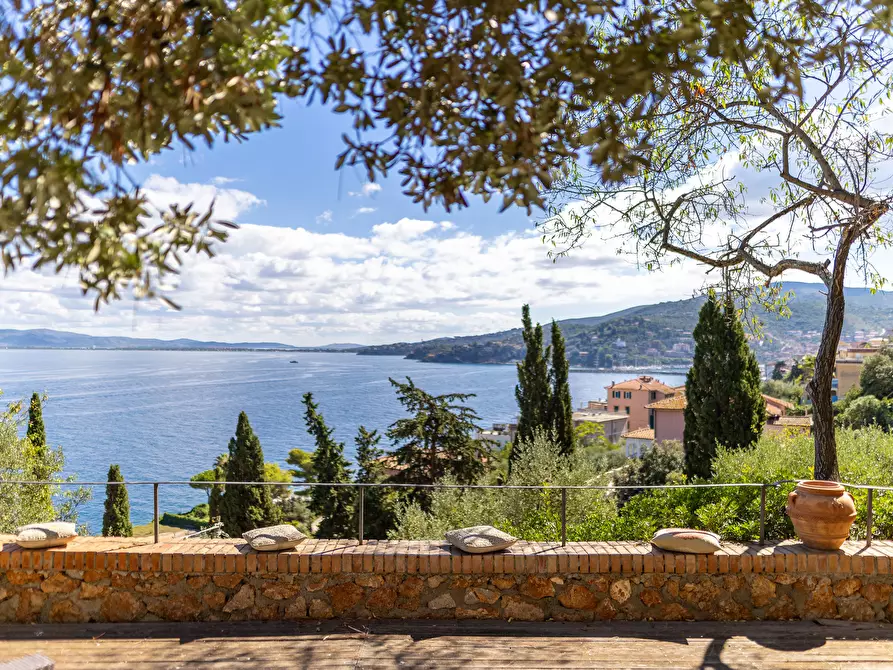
(822, 513)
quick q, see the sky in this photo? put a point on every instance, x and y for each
(322, 256)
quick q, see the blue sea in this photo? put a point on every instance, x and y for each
(165, 415)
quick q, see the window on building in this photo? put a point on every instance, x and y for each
(652, 395)
(615, 394)
(616, 408)
(651, 419)
(627, 409)
(627, 394)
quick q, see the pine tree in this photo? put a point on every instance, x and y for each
(245, 507)
(561, 411)
(437, 439)
(116, 520)
(532, 392)
(333, 503)
(724, 404)
(378, 502)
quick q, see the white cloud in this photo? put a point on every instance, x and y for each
(366, 191)
(325, 217)
(223, 181)
(409, 279)
(365, 210)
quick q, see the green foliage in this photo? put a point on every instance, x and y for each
(778, 371)
(533, 392)
(37, 438)
(333, 504)
(303, 465)
(867, 411)
(36, 433)
(116, 520)
(195, 519)
(663, 462)
(866, 457)
(561, 411)
(245, 507)
(529, 514)
(782, 390)
(379, 503)
(724, 404)
(436, 440)
(876, 378)
(20, 505)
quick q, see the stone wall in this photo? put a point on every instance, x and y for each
(120, 580)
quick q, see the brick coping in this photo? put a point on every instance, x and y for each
(438, 557)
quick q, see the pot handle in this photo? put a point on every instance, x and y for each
(792, 498)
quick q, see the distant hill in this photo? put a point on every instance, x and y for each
(660, 334)
(56, 339)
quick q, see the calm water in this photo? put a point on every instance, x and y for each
(166, 415)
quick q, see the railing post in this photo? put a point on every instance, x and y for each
(361, 513)
(869, 517)
(155, 516)
(763, 514)
(563, 516)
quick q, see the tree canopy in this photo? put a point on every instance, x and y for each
(333, 504)
(724, 406)
(437, 439)
(458, 98)
(876, 377)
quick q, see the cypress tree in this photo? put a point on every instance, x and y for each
(116, 520)
(215, 495)
(378, 503)
(532, 392)
(724, 404)
(333, 504)
(561, 414)
(36, 434)
(244, 507)
(38, 454)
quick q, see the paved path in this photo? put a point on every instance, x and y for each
(455, 644)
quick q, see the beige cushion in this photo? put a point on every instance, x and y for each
(480, 539)
(43, 535)
(686, 540)
(274, 538)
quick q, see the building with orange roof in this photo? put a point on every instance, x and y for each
(630, 397)
(669, 417)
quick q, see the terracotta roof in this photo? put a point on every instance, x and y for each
(778, 402)
(643, 383)
(673, 402)
(640, 434)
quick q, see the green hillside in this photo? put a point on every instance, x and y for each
(660, 334)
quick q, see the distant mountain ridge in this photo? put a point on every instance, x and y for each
(43, 338)
(660, 334)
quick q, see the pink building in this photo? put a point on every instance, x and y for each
(669, 416)
(632, 396)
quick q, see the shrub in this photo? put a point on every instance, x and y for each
(866, 457)
(529, 513)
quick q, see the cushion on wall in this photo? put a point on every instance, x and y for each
(480, 539)
(686, 540)
(44, 535)
(274, 538)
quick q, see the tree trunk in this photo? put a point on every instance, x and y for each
(819, 387)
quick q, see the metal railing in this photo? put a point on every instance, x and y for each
(869, 512)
